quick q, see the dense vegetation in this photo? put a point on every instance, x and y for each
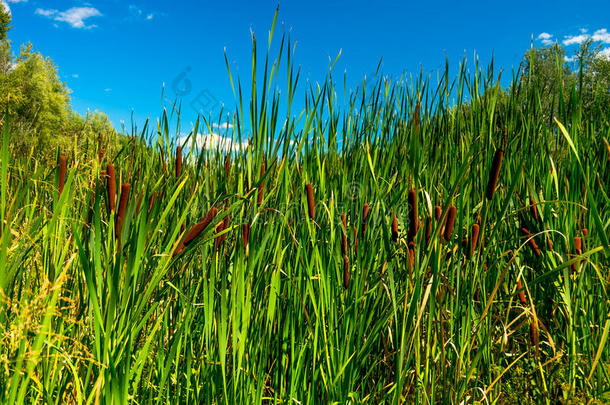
(38, 103)
(429, 243)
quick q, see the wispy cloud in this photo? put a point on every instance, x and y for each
(215, 141)
(602, 36)
(605, 52)
(75, 16)
(575, 39)
(545, 37)
(138, 13)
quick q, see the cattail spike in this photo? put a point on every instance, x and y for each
(521, 293)
(534, 332)
(494, 173)
(474, 239)
(438, 211)
(578, 251)
(345, 272)
(178, 161)
(219, 229)
(111, 187)
(62, 173)
(365, 217)
(228, 165)
(450, 223)
(196, 230)
(310, 202)
(121, 214)
(428, 229)
(411, 254)
(246, 234)
(531, 242)
(394, 229)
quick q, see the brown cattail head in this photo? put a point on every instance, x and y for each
(178, 161)
(355, 239)
(122, 208)
(577, 251)
(196, 230)
(394, 229)
(585, 232)
(450, 222)
(344, 236)
(416, 114)
(413, 218)
(365, 217)
(494, 173)
(151, 200)
(411, 254)
(428, 229)
(521, 293)
(227, 165)
(62, 173)
(531, 242)
(100, 154)
(310, 202)
(474, 239)
(438, 211)
(111, 187)
(345, 272)
(534, 332)
(261, 188)
(220, 228)
(246, 234)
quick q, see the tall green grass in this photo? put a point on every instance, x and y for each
(282, 310)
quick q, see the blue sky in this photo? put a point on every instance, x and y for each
(116, 56)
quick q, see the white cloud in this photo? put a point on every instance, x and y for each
(214, 141)
(576, 39)
(605, 52)
(602, 35)
(17, 1)
(545, 38)
(150, 16)
(107, 90)
(75, 75)
(74, 16)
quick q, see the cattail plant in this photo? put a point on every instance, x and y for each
(345, 272)
(474, 239)
(151, 200)
(246, 234)
(111, 187)
(533, 210)
(521, 293)
(365, 217)
(196, 230)
(344, 235)
(413, 219)
(121, 213)
(394, 229)
(534, 332)
(62, 173)
(450, 223)
(578, 251)
(607, 148)
(178, 161)
(438, 211)
(261, 188)
(227, 165)
(310, 202)
(494, 173)
(428, 229)
(411, 254)
(219, 229)
(139, 203)
(531, 242)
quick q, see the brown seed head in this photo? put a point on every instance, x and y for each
(220, 228)
(111, 187)
(411, 254)
(122, 208)
(246, 234)
(438, 211)
(228, 165)
(196, 230)
(365, 217)
(394, 229)
(178, 161)
(531, 242)
(521, 293)
(534, 332)
(494, 173)
(345, 272)
(450, 222)
(428, 229)
(533, 210)
(310, 202)
(474, 239)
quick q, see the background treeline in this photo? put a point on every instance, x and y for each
(38, 104)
